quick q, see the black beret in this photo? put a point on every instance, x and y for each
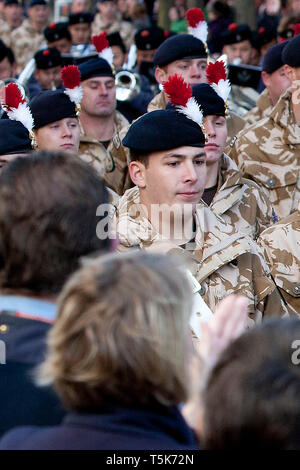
(37, 2)
(163, 129)
(95, 68)
(290, 54)
(12, 2)
(272, 59)
(210, 102)
(262, 36)
(236, 33)
(14, 137)
(47, 58)
(56, 31)
(147, 39)
(115, 39)
(286, 33)
(82, 17)
(181, 46)
(50, 106)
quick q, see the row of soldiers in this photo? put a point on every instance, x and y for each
(175, 155)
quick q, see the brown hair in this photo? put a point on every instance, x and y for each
(121, 334)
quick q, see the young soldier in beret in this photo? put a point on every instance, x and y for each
(164, 213)
(237, 200)
(80, 27)
(118, 48)
(47, 73)
(57, 35)
(28, 38)
(276, 82)
(268, 152)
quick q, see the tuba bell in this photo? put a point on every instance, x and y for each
(128, 83)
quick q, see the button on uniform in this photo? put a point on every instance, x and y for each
(271, 182)
(296, 289)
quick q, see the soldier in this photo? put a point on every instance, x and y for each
(276, 82)
(238, 48)
(268, 151)
(237, 200)
(14, 141)
(13, 17)
(162, 212)
(28, 38)
(47, 73)
(109, 20)
(80, 27)
(8, 66)
(281, 248)
(118, 47)
(57, 35)
(100, 121)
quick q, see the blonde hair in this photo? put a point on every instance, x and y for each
(121, 334)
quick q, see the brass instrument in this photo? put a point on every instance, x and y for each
(128, 83)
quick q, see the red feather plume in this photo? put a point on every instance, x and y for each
(178, 90)
(100, 42)
(70, 76)
(194, 16)
(13, 96)
(216, 72)
(297, 29)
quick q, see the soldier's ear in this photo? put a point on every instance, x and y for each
(289, 72)
(137, 173)
(160, 75)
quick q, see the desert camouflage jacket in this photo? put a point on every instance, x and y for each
(240, 202)
(5, 32)
(268, 152)
(242, 99)
(222, 260)
(262, 109)
(25, 42)
(281, 247)
(111, 164)
(125, 29)
(235, 123)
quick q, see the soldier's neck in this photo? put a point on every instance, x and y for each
(38, 27)
(99, 128)
(212, 174)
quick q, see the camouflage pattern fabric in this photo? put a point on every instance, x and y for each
(5, 32)
(281, 247)
(268, 152)
(25, 42)
(240, 202)
(222, 260)
(262, 109)
(125, 29)
(242, 99)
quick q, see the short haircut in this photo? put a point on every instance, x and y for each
(121, 334)
(48, 204)
(252, 398)
(140, 156)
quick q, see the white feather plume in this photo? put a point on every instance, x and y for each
(192, 111)
(107, 54)
(222, 88)
(23, 114)
(200, 31)
(75, 94)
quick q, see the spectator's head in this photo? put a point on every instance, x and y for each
(252, 397)
(48, 68)
(47, 220)
(57, 35)
(273, 72)
(237, 45)
(7, 62)
(38, 12)
(127, 349)
(80, 27)
(13, 12)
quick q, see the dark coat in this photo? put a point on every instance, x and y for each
(114, 428)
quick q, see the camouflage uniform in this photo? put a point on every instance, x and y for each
(125, 29)
(111, 164)
(242, 99)
(262, 109)
(25, 42)
(222, 260)
(268, 152)
(281, 247)
(5, 32)
(234, 123)
(240, 202)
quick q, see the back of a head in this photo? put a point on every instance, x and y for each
(48, 204)
(252, 397)
(121, 334)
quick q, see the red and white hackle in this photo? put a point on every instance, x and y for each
(180, 95)
(217, 78)
(16, 106)
(70, 76)
(103, 48)
(197, 25)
